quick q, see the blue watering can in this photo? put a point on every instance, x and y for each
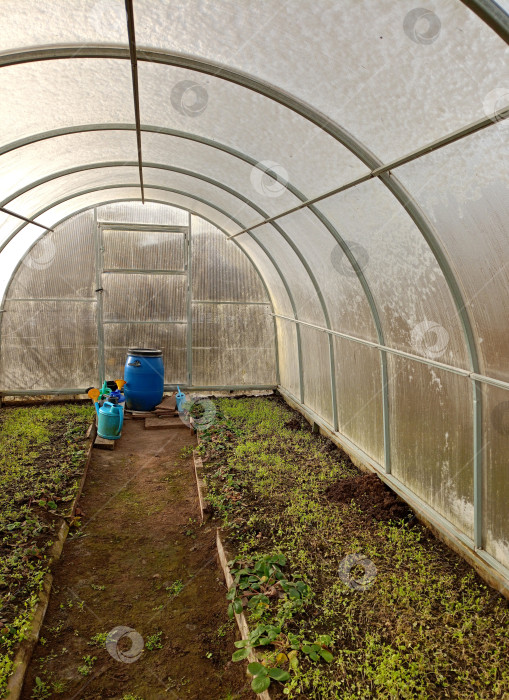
(110, 418)
(180, 398)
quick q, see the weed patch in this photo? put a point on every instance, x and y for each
(389, 611)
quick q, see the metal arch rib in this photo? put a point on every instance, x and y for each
(292, 103)
(299, 195)
(341, 135)
(492, 14)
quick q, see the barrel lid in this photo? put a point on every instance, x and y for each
(145, 352)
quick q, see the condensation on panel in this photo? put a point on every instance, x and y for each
(416, 308)
(137, 213)
(61, 263)
(359, 396)
(317, 375)
(233, 345)
(288, 356)
(464, 191)
(220, 271)
(144, 297)
(143, 250)
(278, 293)
(495, 483)
(170, 338)
(302, 288)
(432, 437)
(48, 345)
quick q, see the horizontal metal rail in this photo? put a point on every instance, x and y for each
(167, 387)
(401, 353)
(388, 167)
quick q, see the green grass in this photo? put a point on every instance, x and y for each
(41, 461)
(427, 627)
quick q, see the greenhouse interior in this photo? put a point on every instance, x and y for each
(254, 349)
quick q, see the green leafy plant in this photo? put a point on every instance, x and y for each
(154, 642)
(256, 583)
(175, 588)
(262, 635)
(88, 662)
(41, 690)
(263, 675)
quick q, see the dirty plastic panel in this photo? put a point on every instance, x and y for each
(359, 396)
(316, 371)
(170, 338)
(143, 250)
(144, 297)
(220, 270)
(288, 356)
(495, 485)
(48, 345)
(464, 191)
(432, 437)
(59, 263)
(233, 345)
(415, 305)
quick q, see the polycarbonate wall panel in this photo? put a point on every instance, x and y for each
(220, 271)
(59, 264)
(143, 250)
(346, 301)
(288, 356)
(170, 338)
(277, 290)
(217, 165)
(383, 58)
(316, 370)
(359, 396)
(144, 297)
(81, 91)
(416, 308)
(495, 485)
(432, 437)
(48, 345)
(302, 289)
(233, 344)
(464, 191)
(262, 129)
(149, 213)
(36, 161)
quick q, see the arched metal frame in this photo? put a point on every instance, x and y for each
(491, 14)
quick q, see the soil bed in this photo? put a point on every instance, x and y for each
(391, 613)
(139, 560)
(42, 456)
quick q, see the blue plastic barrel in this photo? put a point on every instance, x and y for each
(144, 377)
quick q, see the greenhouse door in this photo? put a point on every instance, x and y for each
(143, 296)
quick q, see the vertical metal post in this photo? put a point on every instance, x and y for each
(99, 293)
(189, 342)
(478, 476)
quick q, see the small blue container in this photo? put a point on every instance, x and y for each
(144, 377)
(110, 418)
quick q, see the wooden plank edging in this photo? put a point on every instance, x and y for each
(26, 648)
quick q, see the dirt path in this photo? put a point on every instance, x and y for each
(140, 560)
